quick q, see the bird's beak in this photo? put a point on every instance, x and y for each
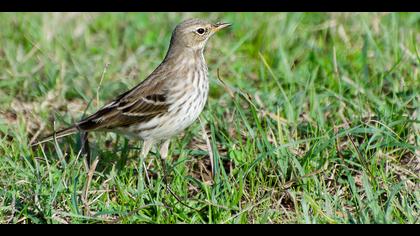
(219, 26)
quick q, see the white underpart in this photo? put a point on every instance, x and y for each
(183, 111)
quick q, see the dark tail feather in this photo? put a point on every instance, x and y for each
(59, 134)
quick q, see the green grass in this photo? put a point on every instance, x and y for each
(318, 121)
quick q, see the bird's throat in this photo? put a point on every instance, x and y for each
(185, 57)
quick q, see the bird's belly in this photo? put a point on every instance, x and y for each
(178, 118)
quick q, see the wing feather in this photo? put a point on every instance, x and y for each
(141, 104)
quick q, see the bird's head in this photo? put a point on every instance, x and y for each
(194, 33)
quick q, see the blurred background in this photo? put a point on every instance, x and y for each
(304, 93)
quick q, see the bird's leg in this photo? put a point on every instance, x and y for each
(147, 145)
(163, 155)
(85, 146)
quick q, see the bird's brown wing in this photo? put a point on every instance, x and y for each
(144, 102)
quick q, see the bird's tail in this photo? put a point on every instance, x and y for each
(56, 135)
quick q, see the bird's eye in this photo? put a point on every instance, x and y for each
(200, 31)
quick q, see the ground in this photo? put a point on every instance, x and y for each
(312, 118)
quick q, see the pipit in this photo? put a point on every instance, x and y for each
(168, 101)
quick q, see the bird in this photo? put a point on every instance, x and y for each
(166, 102)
